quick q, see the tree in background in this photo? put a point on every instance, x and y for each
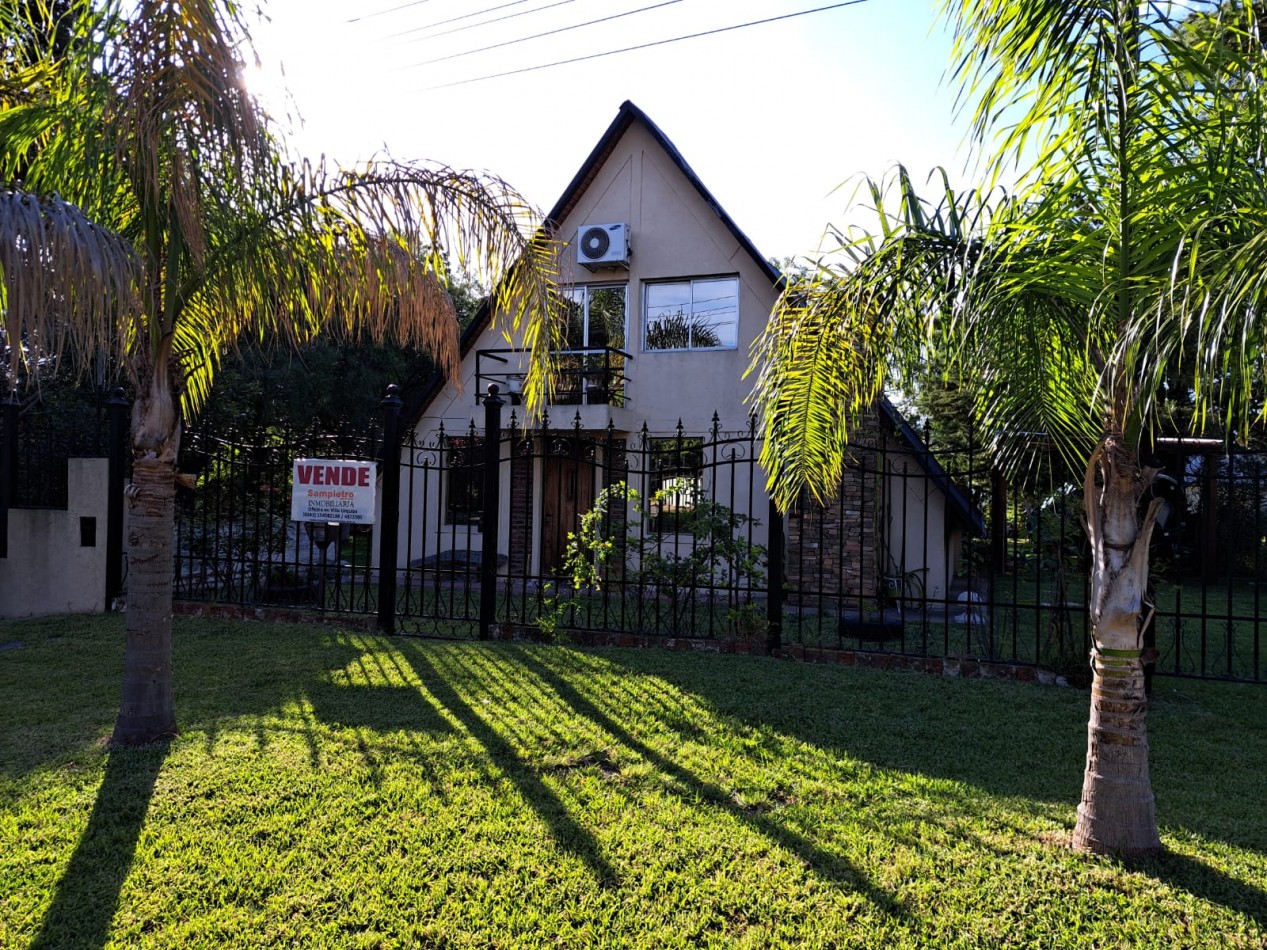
(332, 386)
(152, 209)
(1134, 243)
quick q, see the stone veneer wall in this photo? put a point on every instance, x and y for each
(832, 550)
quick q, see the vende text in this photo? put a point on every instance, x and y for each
(333, 475)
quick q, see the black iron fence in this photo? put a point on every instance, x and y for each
(561, 529)
(670, 533)
(42, 432)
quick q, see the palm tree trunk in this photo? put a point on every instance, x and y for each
(1117, 812)
(146, 711)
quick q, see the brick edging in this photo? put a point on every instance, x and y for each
(210, 611)
(749, 646)
(865, 659)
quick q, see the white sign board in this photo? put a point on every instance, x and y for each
(333, 490)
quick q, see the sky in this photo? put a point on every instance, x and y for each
(778, 119)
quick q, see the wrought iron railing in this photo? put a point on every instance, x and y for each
(588, 376)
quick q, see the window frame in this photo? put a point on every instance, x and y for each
(586, 290)
(673, 458)
(691, 283)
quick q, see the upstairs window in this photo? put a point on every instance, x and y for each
(692, 314)
(596, 317)
(591, 369)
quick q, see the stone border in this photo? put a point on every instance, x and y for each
(747, 646)
(755, 646)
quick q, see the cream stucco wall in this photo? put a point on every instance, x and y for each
(674, 234)
(916, 530)
(48, 570)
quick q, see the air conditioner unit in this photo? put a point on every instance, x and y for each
(602, 245)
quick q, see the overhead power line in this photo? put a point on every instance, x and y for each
(403, 6)
(525, 39)
(457, 19)
(630, 49)
(472, 26)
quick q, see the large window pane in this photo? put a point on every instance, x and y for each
(692, 315)
(596, 317)
(607, 317)
(589, 372)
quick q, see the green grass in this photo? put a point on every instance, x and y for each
(338, 789)
(1212, 630)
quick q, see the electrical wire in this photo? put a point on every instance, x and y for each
(630, 49)
(525, 39)
(403, 6)
(471, 26)
(456, 19)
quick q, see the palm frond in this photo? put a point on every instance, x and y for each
(366, 251)
(63, 280)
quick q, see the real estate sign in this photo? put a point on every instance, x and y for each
(333, 490)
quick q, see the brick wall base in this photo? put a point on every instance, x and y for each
(754, 645)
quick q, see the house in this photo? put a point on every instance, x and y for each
(667, 294)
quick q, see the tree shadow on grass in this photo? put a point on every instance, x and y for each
(1199, 879)
(87, 894)
(1007, 739)
(381, 709)
(830, 866)
(566, 831)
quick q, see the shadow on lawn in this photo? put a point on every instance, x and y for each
(832, 867)
(567, 832)
(984, 737)
(1202, 881)
(928, 725)
(88, 893)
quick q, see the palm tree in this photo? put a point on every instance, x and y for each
(1132, 245)
(144, 127)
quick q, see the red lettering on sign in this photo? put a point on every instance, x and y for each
(305, 474)
(332, 475)
(363, 477)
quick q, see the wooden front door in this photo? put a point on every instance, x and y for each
(567, 493)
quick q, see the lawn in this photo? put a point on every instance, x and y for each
(341, 789)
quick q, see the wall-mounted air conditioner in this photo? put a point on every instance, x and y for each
(602, 245)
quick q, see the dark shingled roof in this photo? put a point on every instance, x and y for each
(957, 501)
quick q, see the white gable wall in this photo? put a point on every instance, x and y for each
(675, 235)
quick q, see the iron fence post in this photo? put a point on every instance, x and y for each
(8, 468)
(491, 505)
(774, 594)
(998, 521)
(117, 410)
(389, 511)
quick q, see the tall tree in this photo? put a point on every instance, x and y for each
(1134, 243)
(152, 207)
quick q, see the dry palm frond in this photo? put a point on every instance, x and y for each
(363, 252)
(63, 279)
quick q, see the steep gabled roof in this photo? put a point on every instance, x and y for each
(957, 500)
(626, 116)
(960, 505)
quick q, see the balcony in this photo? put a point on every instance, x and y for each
(589, 383)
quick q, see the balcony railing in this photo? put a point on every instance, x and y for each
(594, 376)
